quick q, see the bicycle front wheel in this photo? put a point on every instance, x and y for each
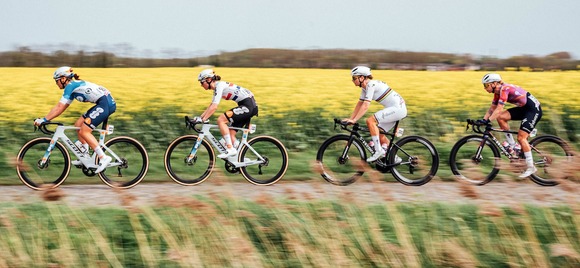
(271, 160)
(553, 159)
(470, 164)
(130, 167)
(51, 174)
(419, 161)
(190, 172)
(341, 162)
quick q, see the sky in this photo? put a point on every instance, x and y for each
(188, 28)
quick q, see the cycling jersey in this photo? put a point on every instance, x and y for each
(382, 93)
(528, 107)
(230, 91)
(395, 108)
(84, 92)
(512, 94)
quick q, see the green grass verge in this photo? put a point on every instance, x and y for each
(227, 232)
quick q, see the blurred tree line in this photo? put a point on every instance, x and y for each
(286, 58)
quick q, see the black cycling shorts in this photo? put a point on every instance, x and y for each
(240, 116)
(530, 113)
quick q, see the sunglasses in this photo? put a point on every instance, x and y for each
(355, 78)
(486, 85)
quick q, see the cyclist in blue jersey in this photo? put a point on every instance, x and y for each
(83, 91)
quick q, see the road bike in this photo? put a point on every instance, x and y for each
(418, 162)
(484, 151)
(190, 159)
(40, 166)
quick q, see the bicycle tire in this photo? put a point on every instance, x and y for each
(134, 165)
(476, 171)
(552, 157)
(420, 161)
(273, 152)
(335, 169)
(188, 174)
(51, 176)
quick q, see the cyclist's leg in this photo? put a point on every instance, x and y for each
(532, 116)
(515, 113)
(388, 117)
(91, 119)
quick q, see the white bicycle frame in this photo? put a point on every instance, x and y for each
(206, 133)
(88, 162)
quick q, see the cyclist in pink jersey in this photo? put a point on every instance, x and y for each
(238, 116)
(527, 109)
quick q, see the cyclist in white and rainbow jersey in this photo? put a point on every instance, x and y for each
(83, 91)
(393, 111)
(527, 109)
(237, 117)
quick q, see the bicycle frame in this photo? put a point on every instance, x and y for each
(488, 135)
(354, 133)
(205, 133)
(59, 134)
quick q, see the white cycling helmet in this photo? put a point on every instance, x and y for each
(360, 71)
(490, 77)
(64, 71)
(205, 74)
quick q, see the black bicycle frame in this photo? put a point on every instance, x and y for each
(487, 135)
(354, 134)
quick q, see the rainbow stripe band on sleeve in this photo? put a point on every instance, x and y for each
(382, 97)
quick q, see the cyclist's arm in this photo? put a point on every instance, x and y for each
(496, 112)
(359, 111)
(490, 111)
(56, 111)
(209, 111)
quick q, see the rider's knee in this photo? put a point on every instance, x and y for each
(222, 119)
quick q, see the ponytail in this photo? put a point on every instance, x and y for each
(76, 76)
(217, 77)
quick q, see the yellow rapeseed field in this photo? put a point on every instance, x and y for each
(28, 93)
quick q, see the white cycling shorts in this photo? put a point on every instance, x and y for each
(389, 116)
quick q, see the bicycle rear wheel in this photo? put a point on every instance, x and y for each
(52, 174)
(341, 163)
(189, 173)
(272, 157)
(131, 169)
(419, 161)
(470, 166)
(553, 159)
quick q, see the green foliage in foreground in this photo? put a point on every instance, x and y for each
(280, 233)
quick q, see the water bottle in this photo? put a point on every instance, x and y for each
(400, 132)
(507, 147)
(252, 128)
(533, 133)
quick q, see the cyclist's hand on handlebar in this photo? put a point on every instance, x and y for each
(197, 119)
(482, 122)
(348, 121)
(40, 121)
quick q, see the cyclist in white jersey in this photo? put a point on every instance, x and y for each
(83, 91)
(394, 107)
(238, 116)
